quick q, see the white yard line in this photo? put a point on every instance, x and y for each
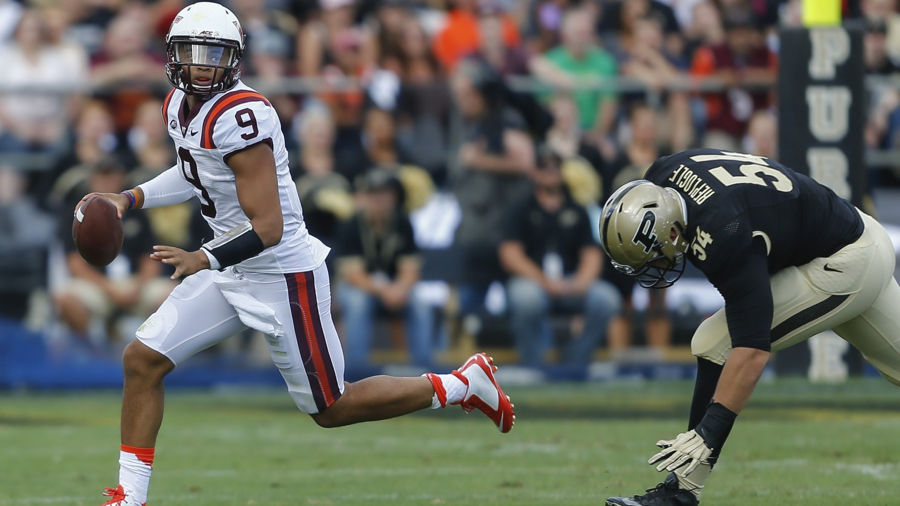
(325, 498)
(878, 471)
(374, 471)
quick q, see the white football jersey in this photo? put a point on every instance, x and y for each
(221, 126)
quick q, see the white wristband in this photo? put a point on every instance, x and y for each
(213, 263)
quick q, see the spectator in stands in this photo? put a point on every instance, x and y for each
(269, 53)
(264, 25)
(411, 58)
(322, 37)
(129, 63)
(494, 159)
(148, 142)
(127, 56)
(57, 23)
(583, 168)
(543, 22)
(379, 268)
(151, 154)
(578, 60)
(507, 59)
(620, 19)
(424, 103)
(324, 193)
(882, 98)
(10, 12)
(271, 62)
(461, 35)
(684, 11)
(564, 137)
(642, 149)
(878, 11)
(31, 121)
(641, 55)
(876, 51)
(348, 61)
(743, 61)
(549, 250)
(705, 28)
(94, 137)
(131, 283)
(383, 150)
(389, 22)
(762, 135)
(89, 21)
(791, 14)
(27, 233)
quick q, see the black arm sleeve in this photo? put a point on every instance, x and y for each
(235, 246)
(748, 298)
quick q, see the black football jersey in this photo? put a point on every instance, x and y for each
(747, 218)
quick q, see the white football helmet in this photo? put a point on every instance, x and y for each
(641, 229)
(204, 47)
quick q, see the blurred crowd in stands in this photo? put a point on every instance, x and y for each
(447, 192)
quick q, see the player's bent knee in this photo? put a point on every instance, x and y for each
(709, 344)
(325, 421)
(330, 418)
(335, 415)
(140, 360)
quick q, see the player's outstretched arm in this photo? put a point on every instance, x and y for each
(165, 189)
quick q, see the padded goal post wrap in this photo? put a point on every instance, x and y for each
(235, 246)
(822, 107)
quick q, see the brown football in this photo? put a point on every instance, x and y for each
(97, 231)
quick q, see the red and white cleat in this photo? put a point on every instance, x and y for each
(119, 498)
(483, 392)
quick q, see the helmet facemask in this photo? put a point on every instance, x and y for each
(194, 60)
(663, 269)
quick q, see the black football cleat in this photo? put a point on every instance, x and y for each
(666, 493)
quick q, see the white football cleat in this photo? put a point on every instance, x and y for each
(119, 498)
(483, 392)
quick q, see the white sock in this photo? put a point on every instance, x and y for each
(695, 481)
(451, 389)
(135, 466)
(456, 389)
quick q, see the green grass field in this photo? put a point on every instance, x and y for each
(573, 445)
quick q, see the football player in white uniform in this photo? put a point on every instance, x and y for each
(262, 270)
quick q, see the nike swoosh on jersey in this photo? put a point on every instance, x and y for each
(831, 269)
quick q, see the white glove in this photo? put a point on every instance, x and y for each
(687, 449)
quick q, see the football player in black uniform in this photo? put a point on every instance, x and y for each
(790, 258)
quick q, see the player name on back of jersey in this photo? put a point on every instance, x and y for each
(691, 184)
